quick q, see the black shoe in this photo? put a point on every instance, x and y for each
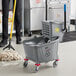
(18, 41)
(3, 43)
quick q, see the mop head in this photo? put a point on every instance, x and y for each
(9, 55)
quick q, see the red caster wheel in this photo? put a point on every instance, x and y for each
(37, 67)
(25, 63)
(55, 63)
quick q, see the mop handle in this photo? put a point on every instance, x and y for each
(14, 9)
(65, 16)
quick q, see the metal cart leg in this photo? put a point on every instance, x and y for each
(37, 67)
(69, 28)
(22, 17)
(75, 25)
(55, 63)
(25, 62)
(29, 33)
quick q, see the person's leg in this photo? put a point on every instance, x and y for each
(18, 22)
(5, 9)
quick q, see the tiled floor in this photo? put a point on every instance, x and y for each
(66, 66)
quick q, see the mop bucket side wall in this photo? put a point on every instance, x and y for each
(30, 53)
(42, 53)
(31, 49)
(49, 52)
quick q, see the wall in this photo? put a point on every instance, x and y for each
(73, 9)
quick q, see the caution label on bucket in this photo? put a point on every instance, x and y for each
(47, 51)
(57, 29)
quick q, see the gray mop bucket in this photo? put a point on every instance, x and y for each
(53, 28)
(38, 51)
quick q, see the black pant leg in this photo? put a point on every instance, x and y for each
(5, 8)
(18, 19)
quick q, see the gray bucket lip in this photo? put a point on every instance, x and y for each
(52, 21)
(40, 45)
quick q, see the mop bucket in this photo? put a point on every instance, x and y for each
(37, 50)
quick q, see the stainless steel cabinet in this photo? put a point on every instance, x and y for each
(34, 14)
(55, 11)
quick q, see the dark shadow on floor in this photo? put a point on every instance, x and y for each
(69, 36)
